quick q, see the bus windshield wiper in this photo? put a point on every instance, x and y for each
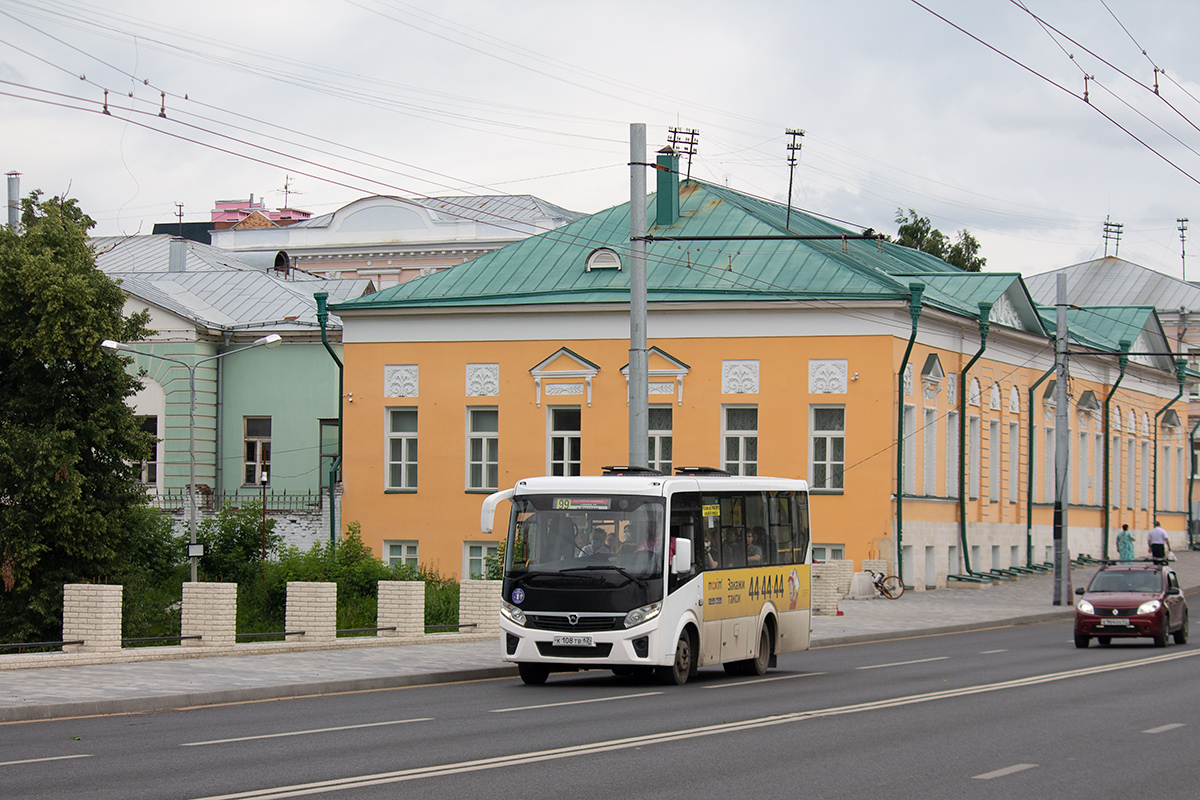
(629, 578)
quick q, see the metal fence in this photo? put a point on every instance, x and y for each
(277, 502)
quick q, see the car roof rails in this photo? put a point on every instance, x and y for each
(702, 471)
(628, 470)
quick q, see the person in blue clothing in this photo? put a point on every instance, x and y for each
(1125, 545)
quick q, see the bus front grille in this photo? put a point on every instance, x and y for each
(583, 624)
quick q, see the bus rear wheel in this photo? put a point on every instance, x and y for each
(679, 671)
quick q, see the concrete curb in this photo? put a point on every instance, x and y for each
(176, 702)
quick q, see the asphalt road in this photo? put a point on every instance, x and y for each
(1014, 711)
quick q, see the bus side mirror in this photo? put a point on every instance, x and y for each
(681, 560)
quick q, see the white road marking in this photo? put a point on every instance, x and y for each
(904, 663)
(1165, 728)
(614, 745)
(571, 703)
(37, 760)
(1000, 773)
(990, 652)
(305, 733)
(727, 684)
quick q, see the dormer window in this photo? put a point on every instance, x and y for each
(603, 258)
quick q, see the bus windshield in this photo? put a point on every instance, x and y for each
(606, 539)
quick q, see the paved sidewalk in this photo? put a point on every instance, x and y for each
(55, 692)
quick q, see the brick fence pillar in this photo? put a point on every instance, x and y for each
(401, 604)
(209, 611)
(479, 602)
(92, 613)
(312, 608)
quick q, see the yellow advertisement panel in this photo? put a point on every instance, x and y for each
(743, 592)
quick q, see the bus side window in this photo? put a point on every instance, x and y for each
(800, 533)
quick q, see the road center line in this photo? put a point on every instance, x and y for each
(614, 745)
(571, 702)
(37, 760)
(1165, 728)
(305, 733)
(991, 652)
(1000, 773)
(904, 663)
(728, 685)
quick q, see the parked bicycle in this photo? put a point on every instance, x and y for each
(890, 586)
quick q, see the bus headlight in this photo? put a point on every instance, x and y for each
(643, 614)
(514, 614)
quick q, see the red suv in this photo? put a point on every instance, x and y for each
(1136, 599)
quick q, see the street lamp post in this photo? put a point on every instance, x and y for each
(272, 340)
(263, 480)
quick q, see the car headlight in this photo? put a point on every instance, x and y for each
(1085, 607)
(1149, 607)
(513, 613)
(640, 615)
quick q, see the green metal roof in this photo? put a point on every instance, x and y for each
(1104, 327)
(550, 268)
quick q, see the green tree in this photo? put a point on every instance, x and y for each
(918, 232)
(71, 509)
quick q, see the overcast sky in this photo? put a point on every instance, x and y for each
(358, 97)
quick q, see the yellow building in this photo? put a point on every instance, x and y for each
(777, 353)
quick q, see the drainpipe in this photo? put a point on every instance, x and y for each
(1191, 483)
(1123, 362)
(323, 318)
(914, 310)
(1029, 472)
(1181, 376)
(985, 309)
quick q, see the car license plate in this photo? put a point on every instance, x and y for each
(1116, 621)
(573, 641)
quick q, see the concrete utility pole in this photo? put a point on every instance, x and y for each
(639, 377)
(1062, 444)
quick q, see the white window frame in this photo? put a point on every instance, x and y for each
(1014, 462)
(261, 461)
(929, 468)
(952, 454)
(1131, 473)
(973, 436)
(1144, 493)
(1083, 481)
(994, 469)
(743, 464)
(487, 464)
(910, 449)
(409, 554)
(408, 460)
(485, 549)
(830, 436)
(828, 552)
(1048, 464)
(659, 437)
(571, 462)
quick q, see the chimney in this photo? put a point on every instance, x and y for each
(177, 258)
(14, 200)
(666, 199)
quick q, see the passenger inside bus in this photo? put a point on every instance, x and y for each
(754, 542)
(711, 551)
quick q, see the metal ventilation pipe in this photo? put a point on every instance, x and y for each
(14, 200)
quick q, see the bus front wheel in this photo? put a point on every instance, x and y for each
(679, 671)
(533, 674)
